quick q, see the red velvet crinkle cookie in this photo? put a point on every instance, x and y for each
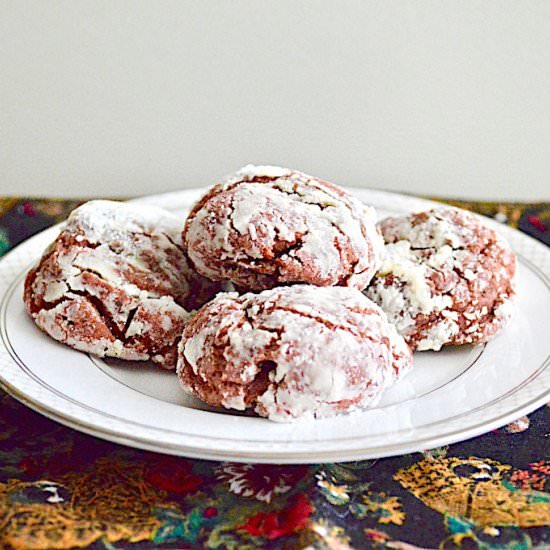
(446, 278)
(116, 283)
(267, 226)
(291, 352)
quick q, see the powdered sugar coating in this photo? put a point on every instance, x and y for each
(116, 283)
(446, 278)
(268, 225)
(291, 352)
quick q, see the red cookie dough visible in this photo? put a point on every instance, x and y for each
(447, 278)
(116, 283)
(267, 226)
(291, 352)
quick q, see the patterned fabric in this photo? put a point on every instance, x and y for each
(63, 489)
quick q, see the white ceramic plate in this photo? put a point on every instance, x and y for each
(449, 395)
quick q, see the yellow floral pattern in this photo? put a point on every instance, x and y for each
(473, 488)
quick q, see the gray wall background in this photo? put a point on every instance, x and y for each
(119, 98)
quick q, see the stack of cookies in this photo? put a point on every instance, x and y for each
(279, 293)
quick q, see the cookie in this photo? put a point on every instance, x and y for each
(116, 283)
(447, 278)
(291, 352)
(266, 226)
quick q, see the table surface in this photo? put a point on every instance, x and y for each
(63, 489)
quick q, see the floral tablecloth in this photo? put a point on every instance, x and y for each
(62, 489)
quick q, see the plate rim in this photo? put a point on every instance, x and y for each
(359, 451)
